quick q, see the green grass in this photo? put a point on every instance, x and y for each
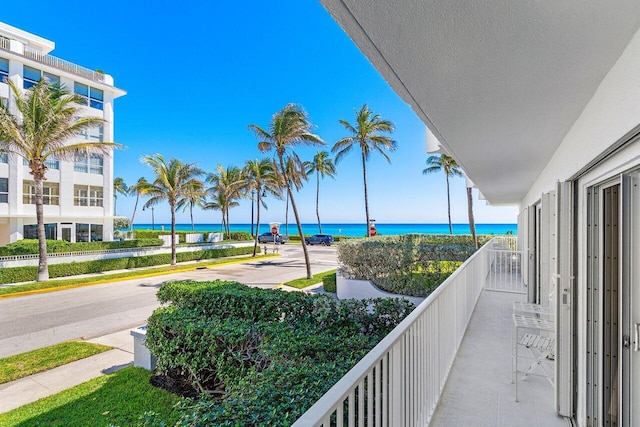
(303, 283)
(51, 284)
(32, 362)
(117, 399)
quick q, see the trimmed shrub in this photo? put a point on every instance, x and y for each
(407, 264)
(28, 274)
(30, 246)
(266, 360)
(148, 234)
(329, 283)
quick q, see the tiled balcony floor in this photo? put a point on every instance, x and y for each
(478, 391)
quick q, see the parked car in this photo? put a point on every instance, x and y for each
(272, 238)
(319, 239)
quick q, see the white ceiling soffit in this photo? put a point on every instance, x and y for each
(499, 83)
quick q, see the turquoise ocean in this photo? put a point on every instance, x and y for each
(351, 230)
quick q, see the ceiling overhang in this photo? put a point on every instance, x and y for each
(499, 84)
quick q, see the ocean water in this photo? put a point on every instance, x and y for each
(350, 230)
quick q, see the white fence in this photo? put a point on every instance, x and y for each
(505, 265)
(399, 382)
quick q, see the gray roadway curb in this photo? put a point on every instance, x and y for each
(29, 389)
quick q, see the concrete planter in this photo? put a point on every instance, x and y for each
(363, 289)
(142, 357)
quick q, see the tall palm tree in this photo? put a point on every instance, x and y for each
(48, 119)
(138, 189)
(119, 187)
(472, 221)
(194, 196)
(367, 133)
(228, 184)
(322, 165)
(261, 178)
(219, 203)
(172, 183)
(289, 128)
(297, 176)
(450, 167)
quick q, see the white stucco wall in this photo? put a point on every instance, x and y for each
(613, 111)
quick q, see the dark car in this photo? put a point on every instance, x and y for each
(319, 239)
(272, 238)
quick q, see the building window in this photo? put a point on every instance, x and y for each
(4, 158)
(50, 231)
(92, 97)
(84, 195)
(50, 193)
(4, 70)
(31, 76)
(89, 233)
(92, 163)
(51, 163)
(4, 190)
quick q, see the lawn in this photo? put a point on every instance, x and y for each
(32, 362)
(118, 399)
(102, 278)
(303, 283)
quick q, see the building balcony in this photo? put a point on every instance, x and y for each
(449, 363)
(37, 55)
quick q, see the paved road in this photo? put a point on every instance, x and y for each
(36, 321)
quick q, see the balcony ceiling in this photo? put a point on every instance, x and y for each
(499, 83)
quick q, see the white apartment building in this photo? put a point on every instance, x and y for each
(78, 195)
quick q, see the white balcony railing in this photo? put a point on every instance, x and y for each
(63, 65)
(399, 382)
(505, 266)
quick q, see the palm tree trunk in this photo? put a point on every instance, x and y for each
(228, 225)
(43, 270)
(449, 205)
(295, 213)
(318, 202)
(193, 228)
(472, 222)
(255, 242)
(134, 212)
(115, 205)
(366, 196)
(286, 214)
(173, 235)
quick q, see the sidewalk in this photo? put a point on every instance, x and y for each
(29, 389)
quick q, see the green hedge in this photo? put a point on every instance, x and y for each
(30, 246)
(407, 264)
(28, 274)
(329, 283)
(153, 234)
(267, 355)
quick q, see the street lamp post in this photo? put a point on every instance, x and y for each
(153, 222)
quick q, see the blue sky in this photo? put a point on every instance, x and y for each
(197, 73)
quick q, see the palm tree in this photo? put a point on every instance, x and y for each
(138, 189)
(367, 134)
(261, 178)
(289, 128)
(218, 203)
(119, 186)
(172, 183)
(194, 196)
(322, 165)
(48, 118)
(297, 176)
(227, 183)
(450, 167)
(472, 221)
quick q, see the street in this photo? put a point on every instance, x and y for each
(36, 321)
